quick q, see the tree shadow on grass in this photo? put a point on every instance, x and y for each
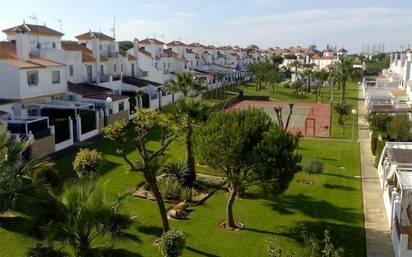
(200, 253)
(260, 231)
(20, 225)
(314, 208)
(338, 187)
(115, 253)
(151, 230)
(350, 238)
(338, 175)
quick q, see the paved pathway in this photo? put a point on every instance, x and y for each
(378, 242)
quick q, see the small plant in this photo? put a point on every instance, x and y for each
(179, 171)
(87, 162)
(312, 247)
(169, 187)
(172, 243)
(313, 166)
(46, 176)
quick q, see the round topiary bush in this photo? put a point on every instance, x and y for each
(46, 176)
(87, 162)
(172, 243)
(313, 166)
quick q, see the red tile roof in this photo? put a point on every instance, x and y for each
(87, 54)
(8, 56)
(149, 41)
(37, 29)
(176, 43)
(88, 35)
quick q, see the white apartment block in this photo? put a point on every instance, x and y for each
(61, 92)
(391, 92)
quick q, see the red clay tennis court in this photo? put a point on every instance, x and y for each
(308, 119)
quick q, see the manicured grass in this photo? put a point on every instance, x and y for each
(283, 93)
(332, 202)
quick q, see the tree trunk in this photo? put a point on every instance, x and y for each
(229, 206)
(151, 180)
(190, 159)
(343, 92)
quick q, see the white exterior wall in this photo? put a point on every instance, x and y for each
(13, 82)
(46, 42)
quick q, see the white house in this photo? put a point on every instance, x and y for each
(395, 171)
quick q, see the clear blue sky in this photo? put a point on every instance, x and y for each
(267, 23)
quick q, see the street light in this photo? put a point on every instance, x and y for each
(354, 112)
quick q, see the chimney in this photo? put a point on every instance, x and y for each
(22, 44)
(96, 55)
(136, 51)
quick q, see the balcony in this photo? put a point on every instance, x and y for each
(38, 126)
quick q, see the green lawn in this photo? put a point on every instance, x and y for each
(283, 93)
(332, 202)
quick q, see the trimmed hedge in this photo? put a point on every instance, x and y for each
(374, 139)
(88, 120)
(61, 129)
(379, 148)
(145, 99)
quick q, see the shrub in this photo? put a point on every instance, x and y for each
(40, 250)
(169, 187)
(172, 243)
(379, 148)
(378, 122)
(181, 172)
(313, 166)
(374, 139)
(87, 162)
(399, 128)
(46, 177)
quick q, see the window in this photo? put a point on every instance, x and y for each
(101, 69)
(55, 77)
(121, 67)
(54, 45)
(121, 106)
(114, 68)
(32, 112)
(156, 65)
(38, 45)
(32, 78)
(71, 71)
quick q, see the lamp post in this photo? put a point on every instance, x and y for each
(109, 101)
(354, 112)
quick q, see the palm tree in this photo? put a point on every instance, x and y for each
(345, 69)
(78, 218)
(185, 83)
(189, 112)
(15, 171)
(321, 76)
(333, 79)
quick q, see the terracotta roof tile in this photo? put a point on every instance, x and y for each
(101, 36)
(87, 54)
(176, 43)
(38, 29)
(149, 41)
(8, 56)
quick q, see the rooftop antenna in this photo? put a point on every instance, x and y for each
(154, 36)
(59, 20)
(34, 18)
(164, 37)
(113, 29)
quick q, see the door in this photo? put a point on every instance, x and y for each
(89, 73)
(132, 69)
